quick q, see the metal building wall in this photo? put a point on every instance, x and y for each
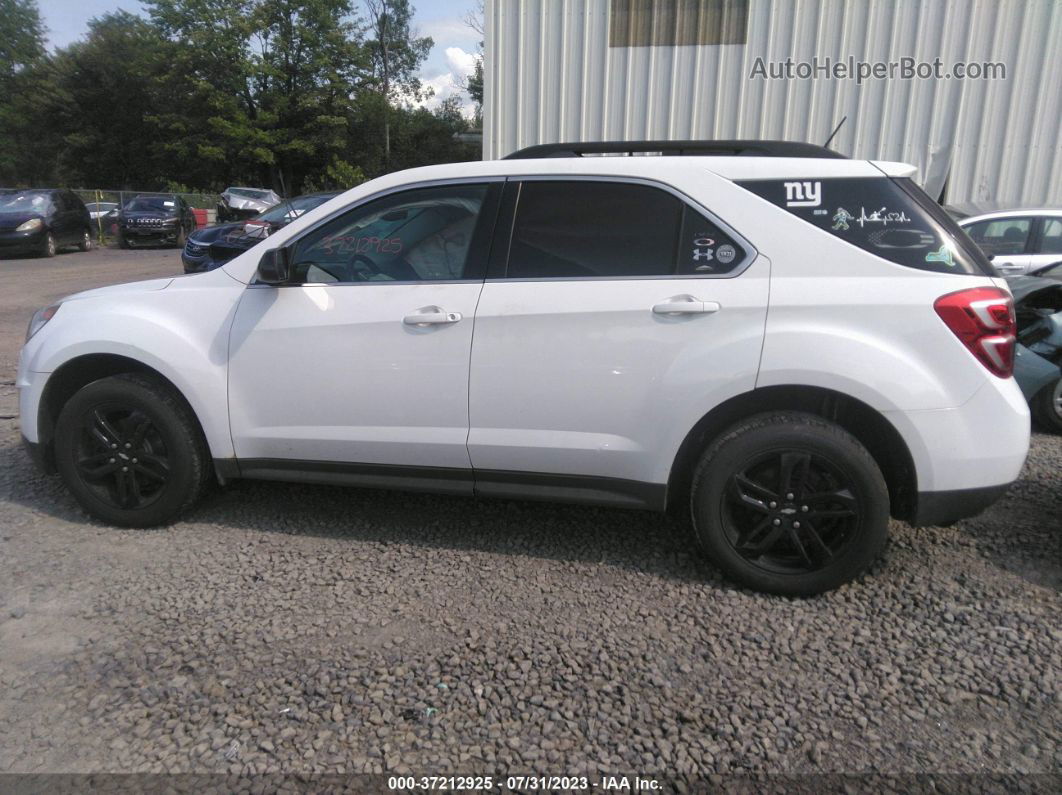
(551, 76)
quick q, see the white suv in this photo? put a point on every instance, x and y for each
(791, 345)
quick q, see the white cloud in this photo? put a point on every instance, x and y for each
(458, 66)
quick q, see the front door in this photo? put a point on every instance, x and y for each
(360, 365)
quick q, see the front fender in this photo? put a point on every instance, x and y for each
(180, 333)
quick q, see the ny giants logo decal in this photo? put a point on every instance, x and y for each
(803, 194)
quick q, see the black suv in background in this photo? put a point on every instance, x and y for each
(155, 220)
(42, 221)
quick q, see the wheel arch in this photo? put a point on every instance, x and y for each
(869, 426)
(78, 372)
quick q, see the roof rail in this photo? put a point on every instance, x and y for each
(723, 148)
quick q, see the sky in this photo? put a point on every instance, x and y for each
(449, 63)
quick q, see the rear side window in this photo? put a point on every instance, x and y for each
(892, 218)
(586, 229)
(1052, 237)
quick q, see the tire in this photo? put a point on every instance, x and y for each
(48, 246)
(123, 242)
(838, 496)
(1046, 407)
(131, 452)
(86, 241)
(182, 238)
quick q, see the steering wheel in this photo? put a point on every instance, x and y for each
(373, 268)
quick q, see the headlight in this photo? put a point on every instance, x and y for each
(170, 220)
(30, 225)
(40, 318)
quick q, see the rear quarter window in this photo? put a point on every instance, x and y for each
(892, 218)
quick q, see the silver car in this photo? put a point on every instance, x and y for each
(1018, 241)
(239, 203)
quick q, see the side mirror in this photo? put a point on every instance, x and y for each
(275, 266)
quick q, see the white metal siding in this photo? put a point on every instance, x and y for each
(551, 76)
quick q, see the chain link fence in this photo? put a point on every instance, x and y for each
(103, 205)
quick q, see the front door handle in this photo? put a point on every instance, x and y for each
(685, 305)
(431, 316)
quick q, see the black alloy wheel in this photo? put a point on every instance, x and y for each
(789, 503)
(790, 511)
(121, 456)
(131, 451)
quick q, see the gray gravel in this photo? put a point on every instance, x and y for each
(295, 628)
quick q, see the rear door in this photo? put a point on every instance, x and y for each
(1047, 242)
(1006, 241)
(616, 309)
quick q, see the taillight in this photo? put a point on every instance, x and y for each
(983, 318)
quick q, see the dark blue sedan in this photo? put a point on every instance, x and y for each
(213, 246)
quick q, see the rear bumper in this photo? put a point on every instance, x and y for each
(947, 507)
(981, 444)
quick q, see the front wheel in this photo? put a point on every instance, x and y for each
(1047, 407)
(85, 244)
(48, 246)
(789, 504)
(131, 452)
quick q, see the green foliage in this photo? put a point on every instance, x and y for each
(288, 94)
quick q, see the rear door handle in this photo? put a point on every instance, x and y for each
(685, 305)
(431, 316)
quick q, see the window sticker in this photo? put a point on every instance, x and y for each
(891, 218)
(168, 204)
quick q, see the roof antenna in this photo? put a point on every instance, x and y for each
(835, 131)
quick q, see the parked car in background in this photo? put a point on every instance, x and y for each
(42, 221)
(1038, 353)
(155, 220)
(212, 246)
(98, 210)
(1017, 241)
(237, 203)
(787, 348)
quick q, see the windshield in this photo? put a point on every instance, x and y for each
(28, 201)
(152, 203)
(287, 212)
(250, 193)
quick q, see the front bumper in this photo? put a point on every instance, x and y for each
(150, 234)
(41, 456)
(21, 242)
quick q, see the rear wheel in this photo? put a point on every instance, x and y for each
(789, 504)
(1047, 407)
(130, 451)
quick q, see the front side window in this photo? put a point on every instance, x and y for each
(587, 229)
(1004, 237)
(892, 218)
(418, 235)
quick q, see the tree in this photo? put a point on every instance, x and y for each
(24, 87)
(475, 19)
(397, 53)
(115, 68)
(21, 38)
(267, 86)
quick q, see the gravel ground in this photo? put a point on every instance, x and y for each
(313, 629)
